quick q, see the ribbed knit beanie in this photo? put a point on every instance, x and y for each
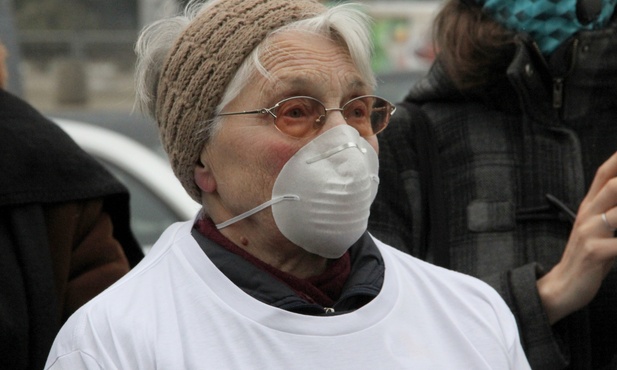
(201, 64)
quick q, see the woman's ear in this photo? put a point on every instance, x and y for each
(204, 178)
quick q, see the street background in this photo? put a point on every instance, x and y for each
(74, 58)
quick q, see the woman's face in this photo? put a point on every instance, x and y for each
(245, 156)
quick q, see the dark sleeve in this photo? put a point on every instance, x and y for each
(543, 344)
(28, 305)
(54, 259)
(86, 257)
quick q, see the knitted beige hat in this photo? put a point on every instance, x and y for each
(202, 63)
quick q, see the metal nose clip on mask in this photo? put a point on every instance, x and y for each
(321, 198)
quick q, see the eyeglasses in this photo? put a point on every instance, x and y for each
(300, 116)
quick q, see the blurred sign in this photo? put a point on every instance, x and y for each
(402, 34)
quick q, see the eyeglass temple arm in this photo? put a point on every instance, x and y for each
(257, 111)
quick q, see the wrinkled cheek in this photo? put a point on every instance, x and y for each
(278, 155)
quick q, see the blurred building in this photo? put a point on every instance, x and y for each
(78, 54)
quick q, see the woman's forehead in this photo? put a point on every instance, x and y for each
(297, 61)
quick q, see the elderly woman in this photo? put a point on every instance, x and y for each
(266, 112)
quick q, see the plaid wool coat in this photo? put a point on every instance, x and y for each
(471, 181)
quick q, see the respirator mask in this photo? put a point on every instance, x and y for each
(322, 196)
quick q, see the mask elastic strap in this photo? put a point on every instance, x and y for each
(256, 209)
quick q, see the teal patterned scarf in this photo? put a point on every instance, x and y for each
(548, 22)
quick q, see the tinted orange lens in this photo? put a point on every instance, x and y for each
(298, 117)
(367, 114)
(301, 116)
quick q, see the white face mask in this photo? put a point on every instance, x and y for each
(321, 198)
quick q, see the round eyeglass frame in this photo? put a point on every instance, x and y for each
(389, 110)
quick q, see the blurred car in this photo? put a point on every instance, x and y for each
(133, 125)
(157, 198)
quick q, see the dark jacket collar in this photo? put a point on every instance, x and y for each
(363, 284)
(582, 76)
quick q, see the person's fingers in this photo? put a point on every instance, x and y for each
(605, 172)
(603, 202)
(596, 226)
(589, 254)
(609, 220)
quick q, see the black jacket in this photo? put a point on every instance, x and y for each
(64, 232)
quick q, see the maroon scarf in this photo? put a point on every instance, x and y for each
(322, 289)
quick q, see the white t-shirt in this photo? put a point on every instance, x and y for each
(176, 310)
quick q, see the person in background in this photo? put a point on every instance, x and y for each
(3, 66)
(501, 164)
(265, 110)
(64, 230)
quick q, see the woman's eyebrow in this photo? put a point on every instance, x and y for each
(283, 88)
(303, 83)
